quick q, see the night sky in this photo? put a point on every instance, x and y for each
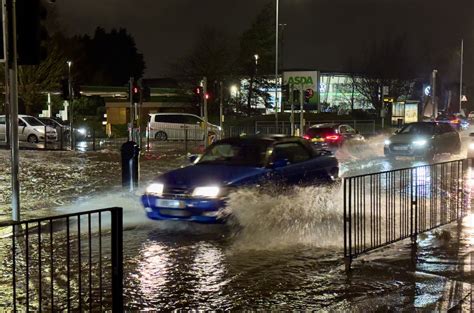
(321, 34)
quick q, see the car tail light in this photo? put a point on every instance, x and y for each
(455, 121)
(306, 137)
(333, 137)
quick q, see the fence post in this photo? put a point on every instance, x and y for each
(185, 140)
(61, 135)
(414, 205)
(45, 136)
(117, 259)
(148, 138)
(347, 234)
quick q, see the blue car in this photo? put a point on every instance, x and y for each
(196, 193)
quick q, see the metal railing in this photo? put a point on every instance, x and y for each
(69, 262)
(365, 127)
(383, 208)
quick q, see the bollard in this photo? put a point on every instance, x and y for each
(130, 153)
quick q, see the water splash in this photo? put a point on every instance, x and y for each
(270, 219)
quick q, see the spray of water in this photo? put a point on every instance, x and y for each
(270, 219)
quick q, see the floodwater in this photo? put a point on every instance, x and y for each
(282, 251)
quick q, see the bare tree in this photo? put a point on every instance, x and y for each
(385, 64)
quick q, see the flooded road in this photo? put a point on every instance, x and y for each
(283, 251)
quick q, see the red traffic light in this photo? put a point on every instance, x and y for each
(198, 90)
(207, 96)
(135, 89)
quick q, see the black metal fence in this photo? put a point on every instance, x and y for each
(68, 263)
(382, 208)
(365, 127)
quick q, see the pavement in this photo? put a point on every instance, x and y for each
(434, 275)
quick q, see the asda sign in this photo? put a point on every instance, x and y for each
(298, 80)
(305, 80)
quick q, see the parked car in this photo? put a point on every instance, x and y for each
(423, 140)
(470, 147)
(58, 125)
(180, 126)
(332, 136)
(457, 121)
(470, 116)
(29, 129)
(196, 193)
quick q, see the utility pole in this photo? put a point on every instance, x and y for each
(204, 93)
(433, 94)
(461, 74)
(301, 110)
(130, 128)
(71, 99)
(277, 5)
(13, 90)
(7, 79)
(292, 103)
(221, 106)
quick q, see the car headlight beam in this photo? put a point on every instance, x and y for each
(155, 189)
(206, 192)
(471, 146)
(420, 143)
(387, 142)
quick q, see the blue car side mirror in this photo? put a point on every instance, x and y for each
(192, 158)
(280, 163)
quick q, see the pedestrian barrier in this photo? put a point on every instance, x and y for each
(386, 207)
(69, 262)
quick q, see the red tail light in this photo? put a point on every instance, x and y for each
(306, 137)
(456, 121)
(333, 137)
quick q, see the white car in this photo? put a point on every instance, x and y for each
(29, 129)
(470, 116)
(180, 126)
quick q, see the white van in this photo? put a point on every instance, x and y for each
(29, 129)
(178, 126)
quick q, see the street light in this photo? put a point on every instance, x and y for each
(277, 4)
(71, 130)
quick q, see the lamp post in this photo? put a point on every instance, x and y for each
(71, 130)
(277, 4)
(256, 63)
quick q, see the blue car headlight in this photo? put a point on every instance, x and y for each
(155, 189)
(206, 192)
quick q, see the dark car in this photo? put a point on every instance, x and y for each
(457, 121)
(332, 136)
(56, 124)
(423, 140)
(196, 193)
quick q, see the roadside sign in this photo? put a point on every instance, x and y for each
(463, 98)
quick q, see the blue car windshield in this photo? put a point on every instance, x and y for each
(243, 154)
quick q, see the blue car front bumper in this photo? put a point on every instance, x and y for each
(187, 209)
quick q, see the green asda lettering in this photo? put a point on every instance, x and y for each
(300, 80)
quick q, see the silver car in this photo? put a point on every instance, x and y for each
(423, 140)
(30, 129)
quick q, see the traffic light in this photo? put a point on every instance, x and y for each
(30, 32)
(198, 95)
(285, 90)
(135, 93)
